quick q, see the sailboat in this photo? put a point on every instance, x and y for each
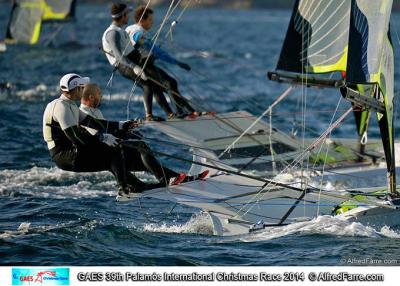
(338, 44)
(28, 16)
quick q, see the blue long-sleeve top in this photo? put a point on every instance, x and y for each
(159, 53)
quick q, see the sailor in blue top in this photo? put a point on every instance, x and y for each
(144, 22)
(123, 56)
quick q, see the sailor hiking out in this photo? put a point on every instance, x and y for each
(137, 154)
(143, 22)
(72, 147)
(123, 56)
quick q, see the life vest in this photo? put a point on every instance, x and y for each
(125, 44)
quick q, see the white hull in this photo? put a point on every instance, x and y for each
(239, 205)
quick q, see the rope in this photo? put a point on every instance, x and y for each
(279, 99)
(149, 55)
(287, 186)
(326, 156)
(304, 153)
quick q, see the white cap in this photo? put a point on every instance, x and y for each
(71, 80)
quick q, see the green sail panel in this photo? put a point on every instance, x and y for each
(317, 37)
(27, 17)
(371, 65)
(59, 10)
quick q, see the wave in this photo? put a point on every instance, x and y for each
(40, 92)
(199, 223)
(55, 183)
(325, 225)
(25, 228)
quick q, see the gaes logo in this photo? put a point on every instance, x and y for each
(39, 275)
(29, 276)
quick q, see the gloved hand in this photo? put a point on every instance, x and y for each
(184, 66)
(109, 139)
(139, 72)
(129, 124)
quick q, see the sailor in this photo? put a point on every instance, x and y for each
(143, 22)
(71, 147)
(90, 103)
(137, 154)
(122, 55)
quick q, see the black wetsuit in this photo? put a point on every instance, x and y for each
(167, 84)
(73, 148)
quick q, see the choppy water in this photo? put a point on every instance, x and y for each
(48, 216)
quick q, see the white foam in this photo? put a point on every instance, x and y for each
(121, 96)
(55, 183)
(321, 225)
(388, 232)
(22, 229)
(58, 184)
(25, 228)
(39, 92)
(199, 223)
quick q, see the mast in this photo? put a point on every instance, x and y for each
(370, 67)
(350, 37)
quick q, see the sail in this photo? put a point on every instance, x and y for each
(27, 16)
(58, 10)
(317, 37)
(371, 66)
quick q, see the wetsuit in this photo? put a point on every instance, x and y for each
(93, 112)
(138, 155)
(168, 83)
(73, 148)
(122, 55)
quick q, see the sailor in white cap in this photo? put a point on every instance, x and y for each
(72, 147)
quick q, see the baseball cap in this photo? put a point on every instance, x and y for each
(71, 80)
(119, 9)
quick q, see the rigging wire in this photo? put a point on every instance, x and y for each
(300, 158)
(158, 33)
(171, 144)
(326, 155)
(306, 152)
(304, 106)
(278, 100)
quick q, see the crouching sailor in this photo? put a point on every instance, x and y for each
(137, 154)
(72, 147)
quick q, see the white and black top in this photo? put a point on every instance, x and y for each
(94, 112)
(62, 122)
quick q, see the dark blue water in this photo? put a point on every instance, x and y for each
(48, 216)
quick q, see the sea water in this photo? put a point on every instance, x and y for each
(52, 217)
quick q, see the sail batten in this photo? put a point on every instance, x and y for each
(317, 37)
